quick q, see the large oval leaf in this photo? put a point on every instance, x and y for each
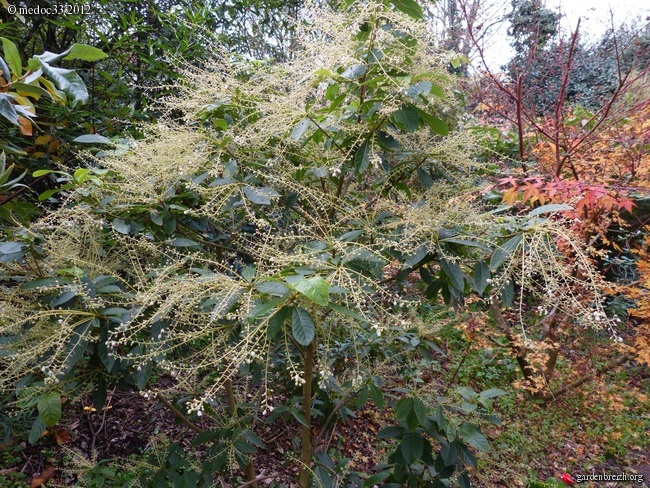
(49, 408)
(314, 288)
(302, 326)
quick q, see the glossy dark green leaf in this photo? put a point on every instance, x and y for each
(481, 276)
(36, 431)
(7, 109)
(92, 139)
(314, 288)
(300, 129)
(49, 408)
(120, 226)
(454, 273)
(362, 157)
(424, 177)
(276, 322)
(388, 142)
(409, 7)
(68, 82)
(492, 393)
(505, 250)
(508, 292)
(421, 411)
(435, 124)
(474, 437)
(183, 242)
(322, 478)
(260, 195)
(407, 118)
(412, 447)
(302, 326)
(403, 408)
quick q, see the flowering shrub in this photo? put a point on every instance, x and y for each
(253, 228)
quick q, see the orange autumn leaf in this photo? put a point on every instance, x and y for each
(510, 196)
(25, 125)
(45, 475)
(63, 436)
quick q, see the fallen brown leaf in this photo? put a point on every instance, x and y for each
(45, 475)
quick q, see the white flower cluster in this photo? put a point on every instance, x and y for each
(163, 331)
(250, 357)
(325, 373)
(298, 379)
(378, 329)
(50, 376)
(195, 406)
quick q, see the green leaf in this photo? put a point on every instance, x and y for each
(450, 431)
(92, 139)
(85, 53)
(409, 7)
(434, 123)
(68, 82)
(407, 118)
(508, 292)
(142, 374)
(403, 408)
(503, 251)
(120, 226)
(300, 129)
(273, 288)
(260, 195)
(6, 72)
(463, 481)
(376, 479)
(41, 172)
(49, 408)
(481, 275)
(34, 90)
(11, 247)
(415, 258)
(393, 432)
(412, 447)
(377, 396)
(425, 179)
(35, 433)
(182, 242)
(455, 62)
(12, 56)
(454, 273)
(388, 142)
(302, 326)
(492, 393)
(473, 436)
(448, 453)
(314, 288)
(420, 88)
(551, 208)
(7, 109)
(362, 157)
(355, 71)
(322, 478)
(421, 411)
(48, 193)
(346, 311)
(276, 322)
